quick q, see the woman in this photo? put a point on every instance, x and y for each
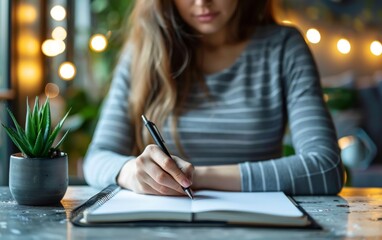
(221, 80)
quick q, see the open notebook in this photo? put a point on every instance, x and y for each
(117, 206)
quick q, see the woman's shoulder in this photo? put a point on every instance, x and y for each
(125, 54)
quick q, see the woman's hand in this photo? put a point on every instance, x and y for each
(153, 172)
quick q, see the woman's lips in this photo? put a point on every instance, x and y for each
(205, 18)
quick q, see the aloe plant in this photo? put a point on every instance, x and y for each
(37, 139)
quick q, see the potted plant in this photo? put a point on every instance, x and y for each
(38, 175)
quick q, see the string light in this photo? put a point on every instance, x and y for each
(58, 13)
(98, 42)
(67, 71)
(26, 13)
(59, 33)
(376, 48)
(28, 44)
(313, 35)
(29, 73)
(52, 47)
(343, 46)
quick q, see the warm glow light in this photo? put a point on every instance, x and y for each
(343, 46)
(326, 97)
(345, 141)
(26, 13)
(67, 71)
(28, 44)
(52, 90)
(29, 74)
(287, 22)
(52, 47)
(376, 48)
(59, 33)
(98, 42)
(58, 13)
(313, 35)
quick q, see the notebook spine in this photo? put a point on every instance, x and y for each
(103, 197)
(93, 203)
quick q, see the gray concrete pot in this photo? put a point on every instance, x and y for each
(38, 181)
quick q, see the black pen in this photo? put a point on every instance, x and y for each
(160, 142)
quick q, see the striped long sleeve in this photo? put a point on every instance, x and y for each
(316, 168)
(274, 82)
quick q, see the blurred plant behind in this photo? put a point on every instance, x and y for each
(85, 98)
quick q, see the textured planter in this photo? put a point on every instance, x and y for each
(38, 181)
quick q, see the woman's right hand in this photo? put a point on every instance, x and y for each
(153, 172)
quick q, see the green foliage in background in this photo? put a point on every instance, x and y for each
(340, 98)
(82, 122)
(108, 18)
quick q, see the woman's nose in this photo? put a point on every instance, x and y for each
(202, 2)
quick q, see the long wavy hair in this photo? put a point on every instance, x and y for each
(164, 64)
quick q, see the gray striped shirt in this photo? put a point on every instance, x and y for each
(272, 83)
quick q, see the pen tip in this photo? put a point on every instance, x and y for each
(144, 118)
(189, 193)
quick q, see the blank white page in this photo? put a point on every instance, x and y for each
(126, 201)
(273, 203)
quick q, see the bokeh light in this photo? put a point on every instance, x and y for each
(67, 71)
(287, 22)
(26, 13)
(52, 47)
(345, 141)
(343, 46)
(98, 42)
(52, 90)
(376, 48)
(58, 13)
(29, 74)
(313, 35)
(28, 44)
(59, 33)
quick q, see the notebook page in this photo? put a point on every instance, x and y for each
(126, 201)
(273, 203)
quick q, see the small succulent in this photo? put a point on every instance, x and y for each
(36, 141)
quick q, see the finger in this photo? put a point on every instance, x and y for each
(162, 189)
(162, 178)
(186, 167)
(169, 165)
(140, 185)
(171, 168)
(145, 188)
(152, 170)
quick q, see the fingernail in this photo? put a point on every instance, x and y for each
(186, 183)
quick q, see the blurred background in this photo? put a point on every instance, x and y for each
(66, 50)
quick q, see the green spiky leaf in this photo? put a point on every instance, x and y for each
(39, 143)
(62, 140)
(45, 121)
(37, 139)
(29, 123)
(25, 149)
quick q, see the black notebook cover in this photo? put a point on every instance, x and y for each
(77, 216)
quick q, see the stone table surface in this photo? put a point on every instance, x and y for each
(354, 213)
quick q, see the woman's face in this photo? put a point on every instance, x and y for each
(207, 17)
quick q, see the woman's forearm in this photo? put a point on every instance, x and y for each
(224, 177)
